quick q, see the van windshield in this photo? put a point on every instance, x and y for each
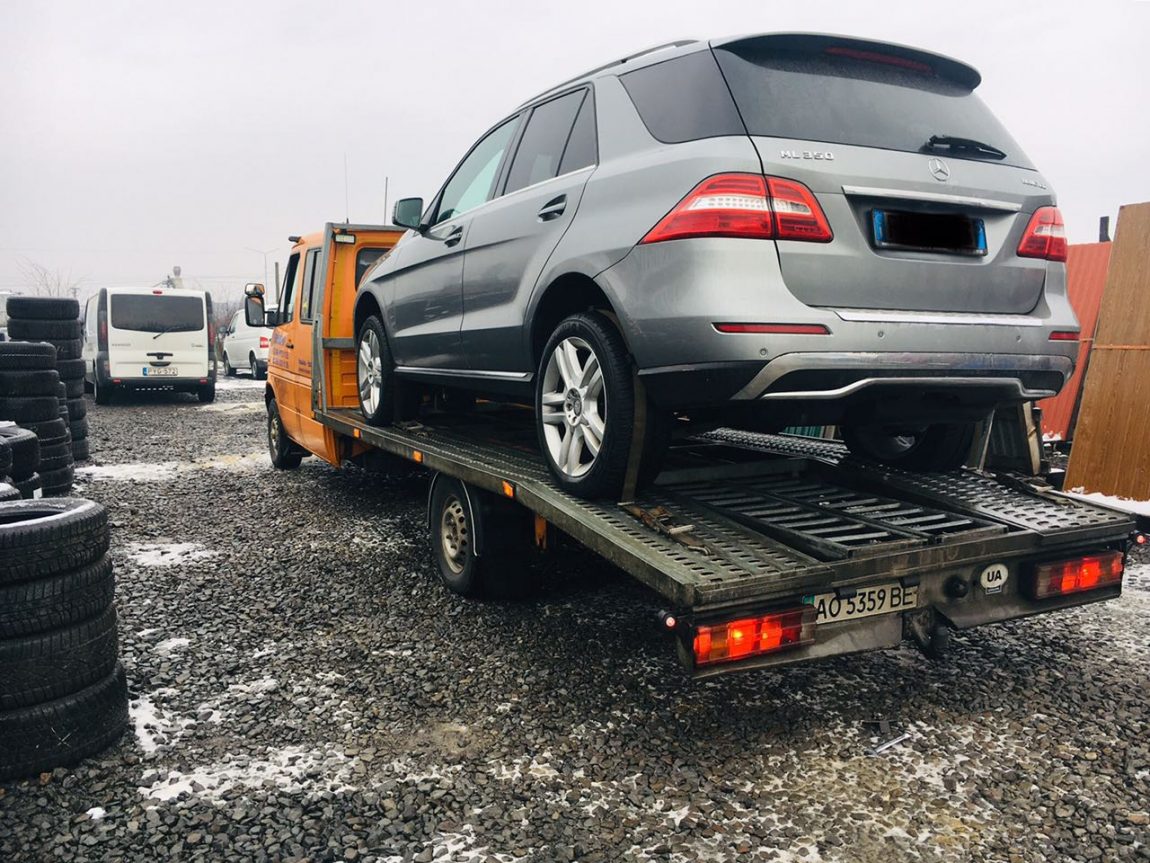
(157, 313)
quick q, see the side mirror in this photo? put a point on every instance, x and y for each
(408, 213)
(254, 313)
(253, 289)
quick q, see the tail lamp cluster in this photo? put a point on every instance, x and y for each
(1045, 236)
(754, 636)
(264, 341)
(745, 205)
(1064, 577)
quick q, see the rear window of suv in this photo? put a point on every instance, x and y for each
(844, 100)
(683, 99)
(154, 313)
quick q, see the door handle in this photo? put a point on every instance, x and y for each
(454, 237)
(290, 345)
(553, 209)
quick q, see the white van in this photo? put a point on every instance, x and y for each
(245, 348)
(149, 339)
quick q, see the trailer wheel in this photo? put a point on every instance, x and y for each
(479, 553)
(940, 447)
(283, 454)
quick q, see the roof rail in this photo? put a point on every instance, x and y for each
(678, 43)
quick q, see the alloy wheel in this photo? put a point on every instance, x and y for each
(369, 371)
(574, 406)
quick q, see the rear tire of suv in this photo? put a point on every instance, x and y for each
(585, 406)
(283, 453)
(941, 447)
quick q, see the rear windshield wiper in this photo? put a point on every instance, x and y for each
(963, 145)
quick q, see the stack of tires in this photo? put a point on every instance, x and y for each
(32, 396)
(23, 460)
(56, 320)
(63, 694)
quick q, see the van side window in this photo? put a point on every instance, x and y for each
(290, 286)
(310, 277)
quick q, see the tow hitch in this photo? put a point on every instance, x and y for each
(929, 630)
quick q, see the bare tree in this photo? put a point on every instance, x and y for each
(48, 283)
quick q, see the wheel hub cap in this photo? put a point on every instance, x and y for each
(573, 406)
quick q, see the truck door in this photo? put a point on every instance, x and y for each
(304, 429)
(284, 339)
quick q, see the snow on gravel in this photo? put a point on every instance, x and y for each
(168, 553)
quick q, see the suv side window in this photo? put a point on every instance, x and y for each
(583, 146)
(473, 182)
(290, 287)
(684, 99)
(543, 142)
(310, 276)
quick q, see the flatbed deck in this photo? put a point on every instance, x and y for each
(739, 519)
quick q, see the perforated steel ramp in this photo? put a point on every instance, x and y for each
(960, 491)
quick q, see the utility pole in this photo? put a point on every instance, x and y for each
(275, 288)
(386, 217)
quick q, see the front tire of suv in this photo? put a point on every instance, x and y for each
(375, 374)
(940, 447)
(585, 406)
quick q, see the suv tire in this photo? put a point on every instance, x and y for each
(941, 447)
(585, 406)
(375, 374)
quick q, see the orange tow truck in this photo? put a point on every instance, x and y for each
(765, 549)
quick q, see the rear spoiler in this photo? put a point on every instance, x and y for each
(821, 43)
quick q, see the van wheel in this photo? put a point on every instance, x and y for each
(103, 392)
(259, 370)
(940, 447)
(375, 374)
(585, 406)
(228, 369)
(283, 453)
(206, 394)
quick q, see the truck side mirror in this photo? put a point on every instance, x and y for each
(254, 313)
(253, 289)
(408, 213)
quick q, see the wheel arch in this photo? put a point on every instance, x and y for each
(367, 305)
(567, 295)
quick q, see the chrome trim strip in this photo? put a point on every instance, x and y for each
(936, 197)
(465, 373)
(965, 383)
(881, 316)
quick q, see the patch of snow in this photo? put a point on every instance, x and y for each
(168, 553)
(150, 723)
(234, 407)
(96, 813)
(1141, 507)
(165, 647)
(239, 383)
(256, 687)
(460, 847)
(165, 471)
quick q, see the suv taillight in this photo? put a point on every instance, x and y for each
(1045, 236)
(745, 205)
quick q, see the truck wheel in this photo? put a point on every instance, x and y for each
(229, 371)
(501, 531)
(585, 406)
(375, 374)
(280, 448)
(206, 394)
(940, 447)
(259, 370)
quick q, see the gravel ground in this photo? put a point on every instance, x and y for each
(304, 689)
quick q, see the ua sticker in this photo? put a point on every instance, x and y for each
(993, 578)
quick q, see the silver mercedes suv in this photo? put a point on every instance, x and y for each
(760, 232)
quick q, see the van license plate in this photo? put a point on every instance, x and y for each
(165, 372)
(866, 602)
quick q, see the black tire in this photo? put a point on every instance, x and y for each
(372, 338)
(49, 432)
(603, 477)
(103, 393)
(58, 601)
(29, 409)
(229, 370)
(58, 733)
(8, 492)
(58, 483)
(77, 408)
(26, 356)
(36, 382)
(55, 457)
(206, 394)
(464, 519)
(44, 308)
(68, 349)
(5, 457)
(78, 429)
(284, 454)
(25, 451)
(40, 538)
(81, 450)
(37, 329)
(45, 666)
(936, 448)
(29, 487)
(71, 370)
(259, 370)
(74, 389)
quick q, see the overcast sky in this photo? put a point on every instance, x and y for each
(139, 135)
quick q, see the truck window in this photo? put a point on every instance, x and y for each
(543, 142)
(288, 291)
(154, 313)
(310, 276)
(365, 259)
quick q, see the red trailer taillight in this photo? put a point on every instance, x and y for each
(754, 636)
(1045, 236)
(1063, 577)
